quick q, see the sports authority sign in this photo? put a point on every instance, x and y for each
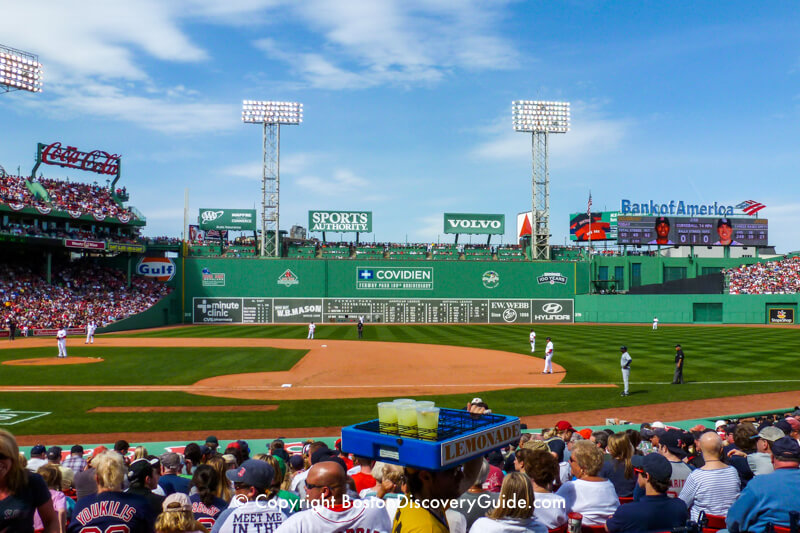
(394, 278)
(227, 219)
(474, 224)
(343, 221)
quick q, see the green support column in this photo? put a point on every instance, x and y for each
(49, 266)
(129, 271)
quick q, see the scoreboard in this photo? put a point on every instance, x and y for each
(380, 310)
(687, 231)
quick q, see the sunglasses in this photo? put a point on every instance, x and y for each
(312, 486)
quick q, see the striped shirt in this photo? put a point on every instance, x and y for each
(712, 491)
(75, 462)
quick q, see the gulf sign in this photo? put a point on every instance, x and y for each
(161, 268)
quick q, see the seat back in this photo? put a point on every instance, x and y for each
(625, 499)
(560, 529)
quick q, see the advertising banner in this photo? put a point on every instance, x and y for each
(161, 268)
(86, 245)
(780, 315)
(342, 221)
(394, 278)
(603, 227)
(685, 231)
(227, 219)
(126, 247)
(474, 224)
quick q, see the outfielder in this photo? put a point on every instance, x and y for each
(625, 364)
(90, 329)
(655, 323)
(533, 340)
(311, 328)
(548, 357)
(61, 340)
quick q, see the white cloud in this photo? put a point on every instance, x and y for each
(590, 135)
(429, 228)
(394, 42)
(161, 114)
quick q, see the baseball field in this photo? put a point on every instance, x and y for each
(269, 380)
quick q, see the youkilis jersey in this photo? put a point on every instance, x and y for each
(111, 512)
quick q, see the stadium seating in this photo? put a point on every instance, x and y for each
(771, 277)
(478, 254)
(511, 254)
(407, 252)
(370, 252)
(336, 252)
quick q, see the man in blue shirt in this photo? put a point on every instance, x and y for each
(770, 497)
(170, 480)
(655, 511)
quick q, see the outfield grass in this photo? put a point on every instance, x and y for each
(144, 366)
(746, 360)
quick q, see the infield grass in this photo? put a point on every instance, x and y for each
(720, 361)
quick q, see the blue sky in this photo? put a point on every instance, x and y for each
(407, 104)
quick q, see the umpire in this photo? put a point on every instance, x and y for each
(677, 379)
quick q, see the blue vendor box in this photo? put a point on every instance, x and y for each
(460, 438)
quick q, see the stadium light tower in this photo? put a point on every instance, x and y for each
(271, 115)
(540, 118)
(19, 71)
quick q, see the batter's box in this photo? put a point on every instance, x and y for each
(9, 417)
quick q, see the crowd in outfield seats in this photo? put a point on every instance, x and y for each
(14, 191)
(648, 478)
(73, 196)
(80, 292)
(772, 277)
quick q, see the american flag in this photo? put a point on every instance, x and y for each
(589, 206)
(751, 207)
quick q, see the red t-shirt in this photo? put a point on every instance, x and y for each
(363, 481)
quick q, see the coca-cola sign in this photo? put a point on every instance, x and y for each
(96, 161)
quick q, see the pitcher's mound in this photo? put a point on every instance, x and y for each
(43, 361)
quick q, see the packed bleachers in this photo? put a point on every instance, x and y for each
(80, 291)
(739, 474)
(13, 190)
(73, 196)
(771, 277)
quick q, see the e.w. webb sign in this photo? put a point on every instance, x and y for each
(360, 221)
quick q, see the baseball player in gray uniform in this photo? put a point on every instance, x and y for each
(625, 364)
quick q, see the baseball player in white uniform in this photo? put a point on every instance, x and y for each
(90, 329)
(655, 323)
(548, 357)
(61, 340)
(533, 340)
(625, 364)
(311, 328)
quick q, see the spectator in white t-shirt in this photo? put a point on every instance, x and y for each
(590, 495)
(542, 468)
(514, 512)
(714, 487)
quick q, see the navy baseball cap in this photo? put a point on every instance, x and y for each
(783, 425)
(662, 220)
(54, 453)
(296, 462)
(38, 449)
(141, 468)
(786, 449)
(623, 348)
(723, 222)
(253, 472)
(76, 449)
(672, 440)
(656, 465)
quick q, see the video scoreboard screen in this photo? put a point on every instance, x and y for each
(686, 231)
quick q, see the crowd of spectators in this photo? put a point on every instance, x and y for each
(73, 196)
(14, 191)
(771, 277)
(81, 291)
(30, 230)
(655, 478)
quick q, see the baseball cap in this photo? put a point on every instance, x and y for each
(783, 425)
(723, 221)
(76, 449)
(547, 338)
(229, 458)
(176, 502)
(54, 453)
(655, 464)
(253, 472)
(141, 468)
(770, 433)
(658, 425)
(321, 455)
(660, 220)
(672, 440)
(719, 423)
(476, 400)
(296, 461)
(586, 433)
(623, 348)
(97, 451)
(786, 449)
(211, 439)
(171, 460)
(563, 425)
(38, 449)
(647, 433)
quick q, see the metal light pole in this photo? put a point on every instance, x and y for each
(540, 119)
(271, 115)
(19, 71)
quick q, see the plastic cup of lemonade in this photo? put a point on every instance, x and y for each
(428, 422)
(426, 404)
(387, 417)
(401, 401)
(407, 419)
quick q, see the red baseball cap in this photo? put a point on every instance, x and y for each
(563, 425)
(586, 433)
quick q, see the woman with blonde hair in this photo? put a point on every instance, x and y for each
(21, 492)
(224, 488)
(279, 466)
(513, 512)
(618, 468)
(52, 477)
(589, 494)
(177, 516)
(110, 473)
(140, 452)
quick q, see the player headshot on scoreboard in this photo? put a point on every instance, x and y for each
(725, 232)
(662, 232)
